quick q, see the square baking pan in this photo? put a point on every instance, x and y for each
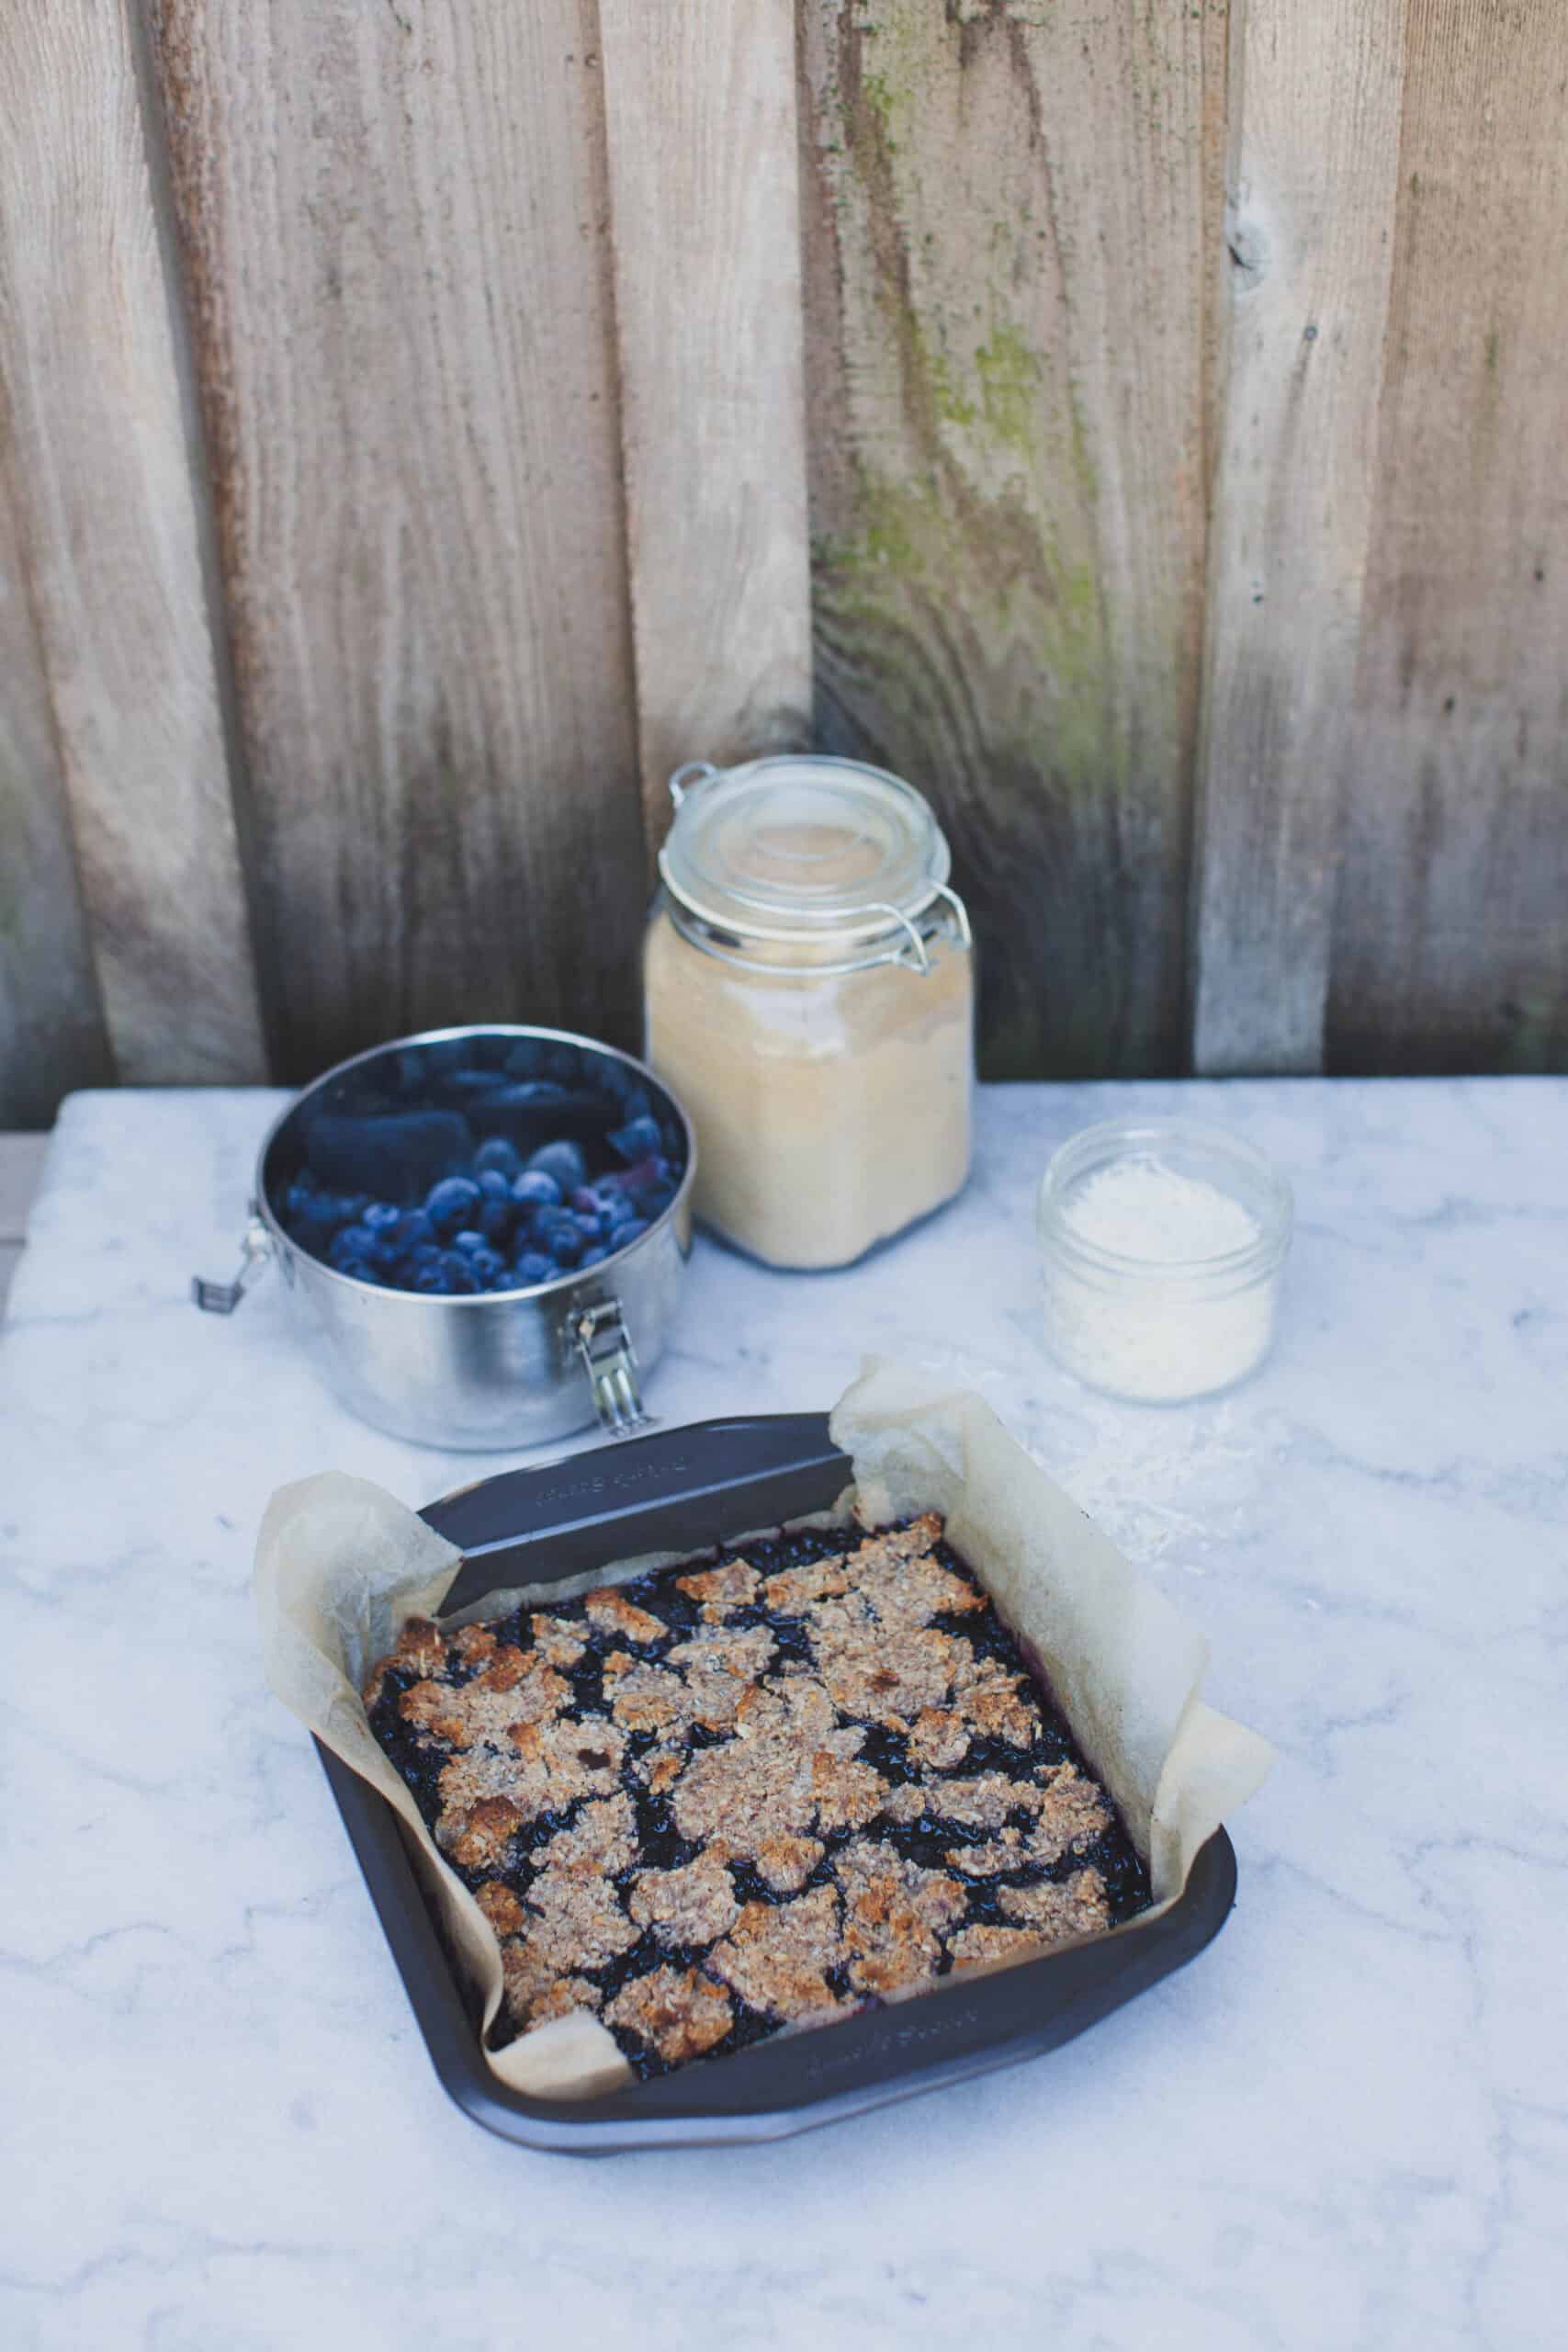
(686, 1490)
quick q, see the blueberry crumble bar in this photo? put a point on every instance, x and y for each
(806, 1776)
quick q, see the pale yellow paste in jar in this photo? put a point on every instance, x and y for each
(831, 1110)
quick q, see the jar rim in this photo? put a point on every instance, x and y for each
(1214, 1154)
(738, 832)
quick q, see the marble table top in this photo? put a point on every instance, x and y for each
(1344, 2126)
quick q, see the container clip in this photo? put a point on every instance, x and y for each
(221, 1298)
(609, 1359)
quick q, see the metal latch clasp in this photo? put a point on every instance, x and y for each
(609, 1359)
(221, 1298)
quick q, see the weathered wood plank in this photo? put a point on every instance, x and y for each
(51, 1025)
(1450, 940)
(21, 1165)
(700, 109)
(10, 1259)
(101, 473)
(1315, 97)
(1006, 290)
(394, 224)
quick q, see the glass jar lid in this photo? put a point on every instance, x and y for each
(802, 845)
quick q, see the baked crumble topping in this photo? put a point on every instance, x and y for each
(804, 1775)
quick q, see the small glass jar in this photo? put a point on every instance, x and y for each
(1162, 1244)
(809, 990)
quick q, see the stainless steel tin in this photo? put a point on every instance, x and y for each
(503, 1369)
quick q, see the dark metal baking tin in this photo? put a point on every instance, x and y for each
(682, 1490)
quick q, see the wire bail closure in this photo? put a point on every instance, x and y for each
(688, 773)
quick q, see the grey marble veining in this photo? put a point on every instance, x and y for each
(1345, 2127)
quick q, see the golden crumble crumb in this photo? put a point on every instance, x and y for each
(500, 1906)
(557, 1643)
(690, 1905)
(865, 1673)
(1073, 1813)
(486, 1833)
(421, 1646)
(986, 1944)
(679, 2012)
(614, 1613)
(846, 1793)
(732, 1585)
(938, 1740)
(534, 1988)
(777, 1955)
(661, 1771)
(785, 1864)
(894, 1912)
(1076, 1908)
(792, 1591)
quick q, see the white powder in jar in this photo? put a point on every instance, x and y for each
(1161, 1324)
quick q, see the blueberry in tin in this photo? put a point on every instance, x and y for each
(766, 1788)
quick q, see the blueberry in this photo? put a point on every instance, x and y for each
(352, 1249)
(532, 1266)
(452, 1202)
(591, 1227)
(496, 1221)
(638, 1140)
(339, 1207)
(486, 1265)
(469, 1240)
(623, 1236)
(564, 1161)
(536, 1189)
(498, 1157)
(381, 1216)
(432, 1279)
(592, 1256)
(584, 1199)
(472, 1084)
(415, 1232)
(565, 1244)
(493, 1185)
(456, 1272)
(301, 1199)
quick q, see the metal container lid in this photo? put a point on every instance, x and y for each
(802, 846)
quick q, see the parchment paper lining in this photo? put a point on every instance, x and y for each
(340, 1567)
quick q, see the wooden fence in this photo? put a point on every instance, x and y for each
(1139, 422)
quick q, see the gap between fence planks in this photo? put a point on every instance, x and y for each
(100, 471)
(701, 131)
(395, 230)
(1315, 100)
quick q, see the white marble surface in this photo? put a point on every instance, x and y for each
(1346, 2126)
